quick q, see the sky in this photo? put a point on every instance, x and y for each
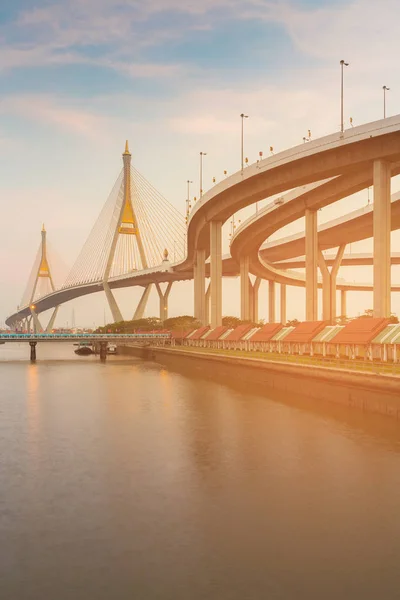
(79, 77)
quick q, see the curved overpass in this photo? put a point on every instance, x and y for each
(343, 162)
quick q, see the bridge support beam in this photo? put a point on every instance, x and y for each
(141, 307)
(283, 304)
(50, 324)
(33, 351)
(311, 266)
(112, 303)
(199, 281)
(216, 273)
(382, 230)
(37, 327)
(329, 279)
(343, 303)
(163, 296)
(271, 302)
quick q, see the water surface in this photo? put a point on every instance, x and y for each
(127, 480)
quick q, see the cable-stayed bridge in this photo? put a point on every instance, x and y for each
(137, 229)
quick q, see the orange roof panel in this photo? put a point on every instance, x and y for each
(238, 333)
(304, 333)
(266, 333)
(360, 331)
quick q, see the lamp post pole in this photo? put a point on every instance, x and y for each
(188, 199)
(201, 172)
(243, 117)
(385, 89)
(342, 65)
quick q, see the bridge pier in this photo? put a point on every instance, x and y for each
(329, 279)
(283, 304)
(254, 289)
(112, 303)
(311, 266)
(271, 302)
(245, 284)
(163, 300)
(199, 281)
(33, 351)
(37, 327)
(382, 230)
(216, 273)
(103, 351)
(343, 303)
(207, 306)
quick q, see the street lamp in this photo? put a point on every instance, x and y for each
(243, 117)
(342, 64)
(385, 89)
(201, 172)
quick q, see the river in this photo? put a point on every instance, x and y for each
(126, 480)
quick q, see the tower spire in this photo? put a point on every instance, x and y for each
(127, 149)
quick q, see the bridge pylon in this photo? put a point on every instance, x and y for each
(40, 283)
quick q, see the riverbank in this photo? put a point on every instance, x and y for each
(377, 393)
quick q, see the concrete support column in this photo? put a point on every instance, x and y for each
(326, 287)
(33, 351)
(283, 304)
(112, 303)
(163, 296)
(245, 285)
(216, 273)
(271, 302)
(199, 285)
(254, 300)
(311, 266)
(103, 351)
(207, 305)
(382, 227)
(343, 303)
(334, 274)
(141, 307)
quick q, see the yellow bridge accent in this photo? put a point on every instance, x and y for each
(128, 224)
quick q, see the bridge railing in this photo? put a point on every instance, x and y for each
(78, 336)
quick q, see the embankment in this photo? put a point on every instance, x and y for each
(366, 391)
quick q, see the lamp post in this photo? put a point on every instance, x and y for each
(188, 200)
(385, 89)
(201, 172)
(342, 65)
(243, 117)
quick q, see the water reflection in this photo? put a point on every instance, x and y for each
(130, 480)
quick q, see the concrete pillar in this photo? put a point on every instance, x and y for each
(207, 305)
(382, 227)
(334, 274)
(199, 285)
(343, 303)
(254, 300)
(163, 296)
(271, 302)
(311, 266)
(103, 351)
(326, 287)
(33, 351)
(283, 304)
(245, 284)
(216, 273)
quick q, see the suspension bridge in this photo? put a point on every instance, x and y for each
(131, 241)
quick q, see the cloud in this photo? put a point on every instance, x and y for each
(52, 111)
